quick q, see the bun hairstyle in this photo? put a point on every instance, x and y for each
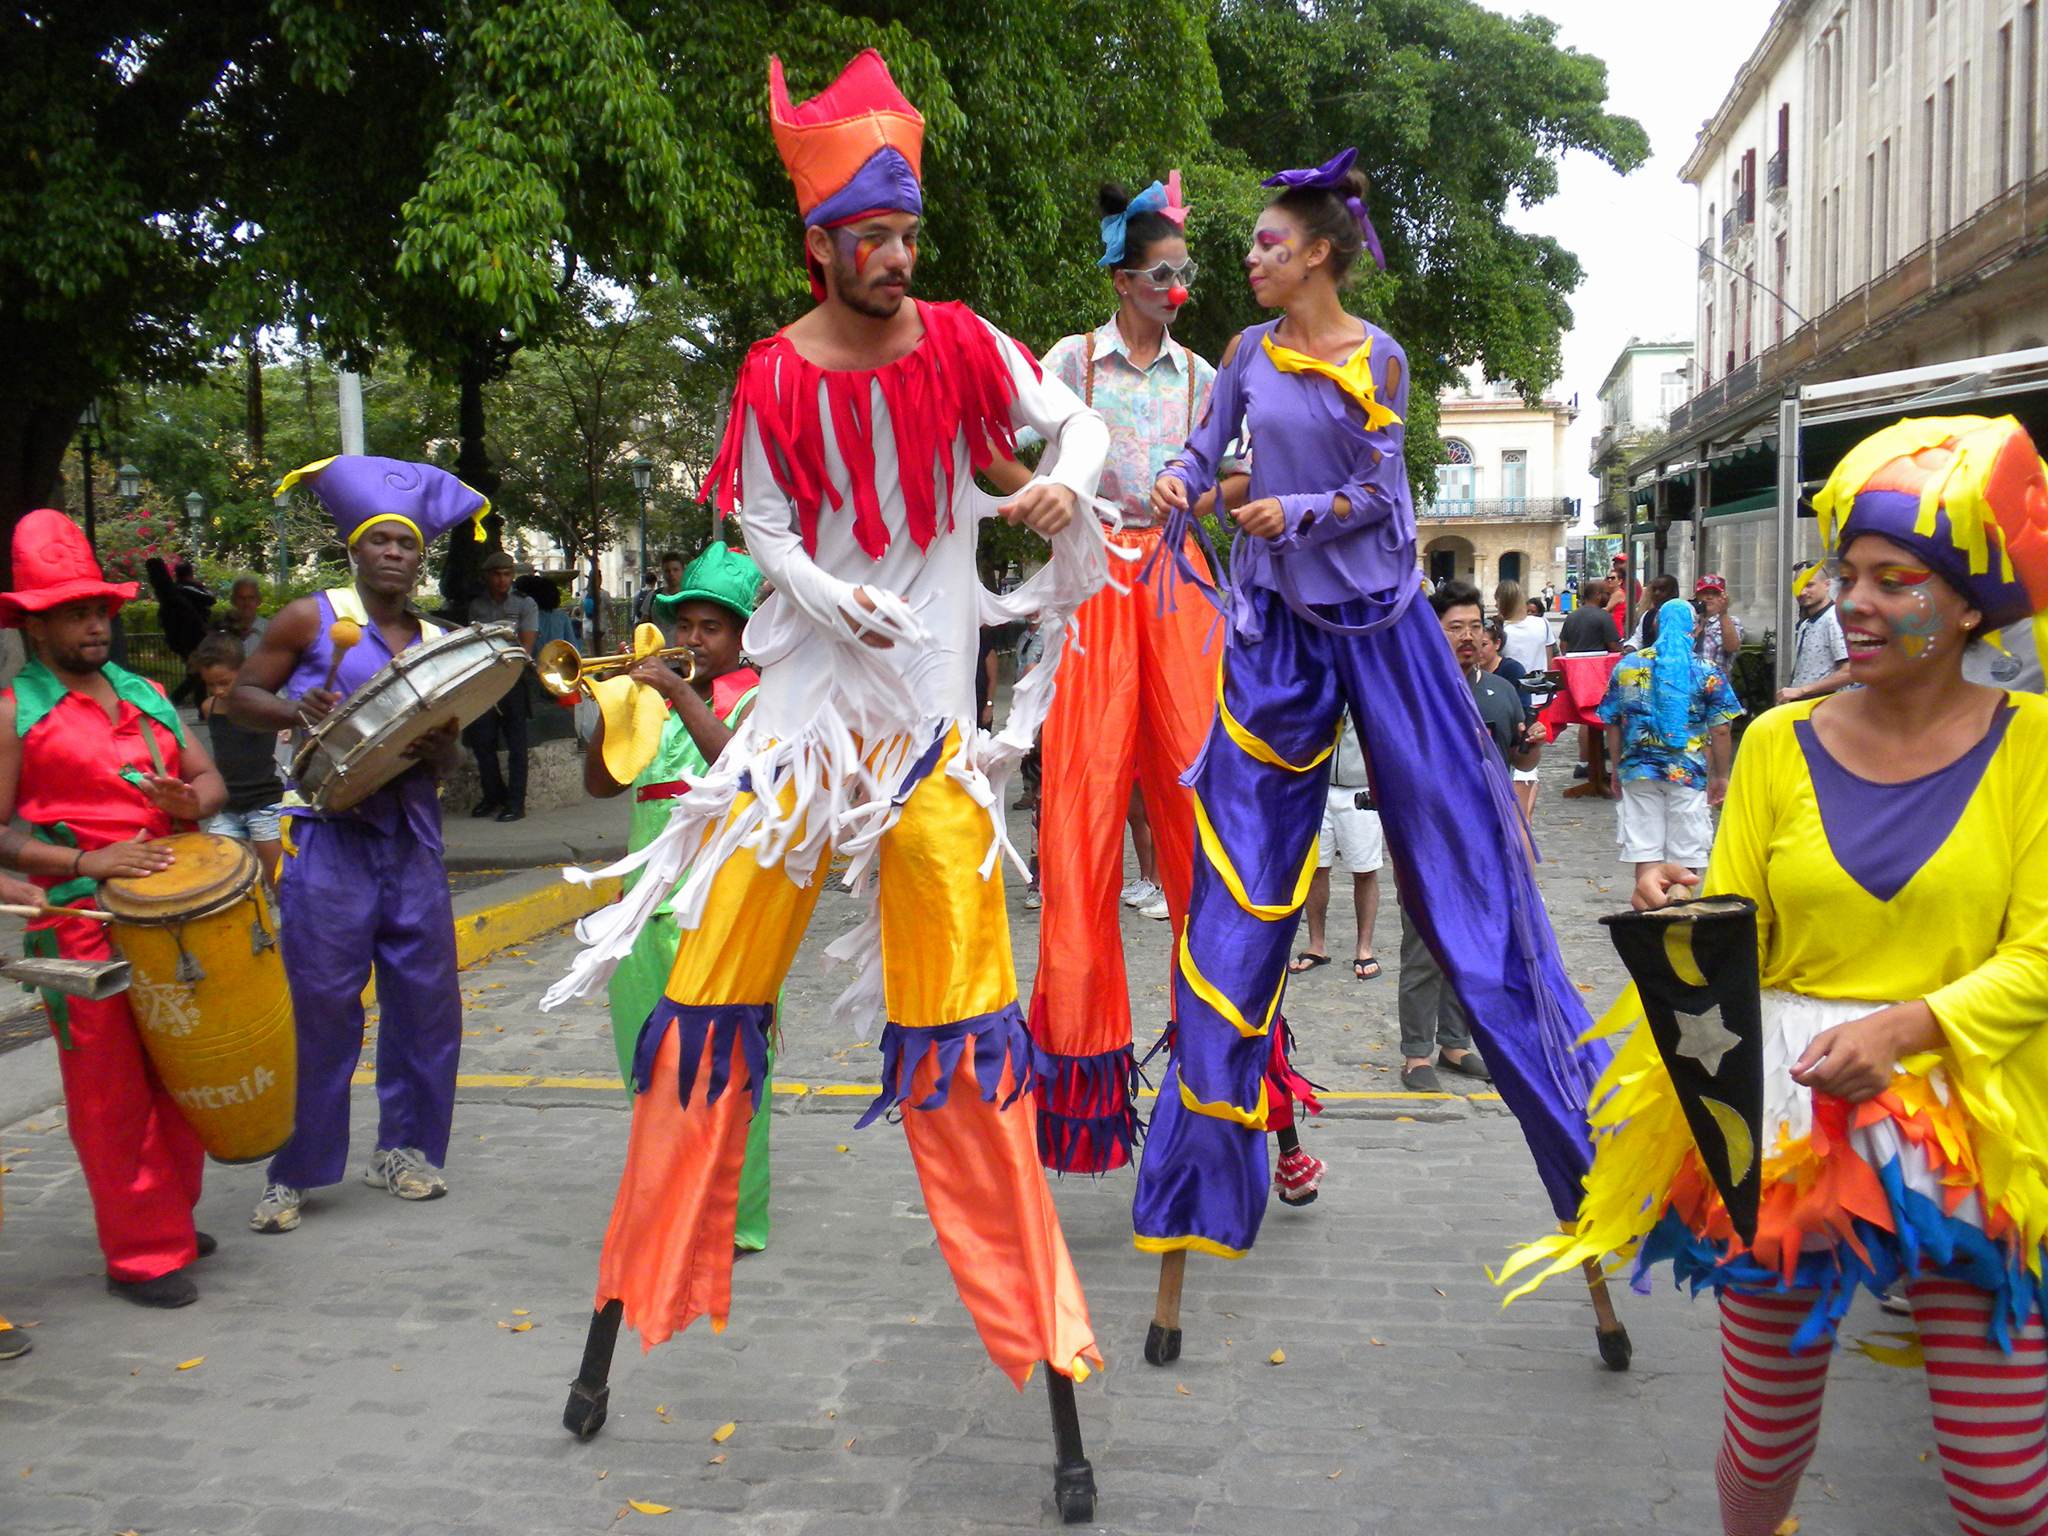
(1142, 232)
(1324, 213)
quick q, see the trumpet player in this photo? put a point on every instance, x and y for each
(710, 606)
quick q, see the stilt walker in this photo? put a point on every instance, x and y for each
(1133, 701)
(1323, 617)
(849, 457)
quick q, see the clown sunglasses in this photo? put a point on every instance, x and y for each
(1165, 274)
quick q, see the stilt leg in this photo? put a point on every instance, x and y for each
(1612, 1337)
(1073, 1480)
(1162, 1339)
(590, 1392)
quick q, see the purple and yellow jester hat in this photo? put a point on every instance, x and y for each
(359, 490)
(1967, 494)
(855, 148)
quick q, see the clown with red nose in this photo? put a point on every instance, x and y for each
(1133, 700)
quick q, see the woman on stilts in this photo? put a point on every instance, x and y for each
(1894, 838)
(1322, 616)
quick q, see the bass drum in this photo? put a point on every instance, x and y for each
(208, 989)
(361, 747)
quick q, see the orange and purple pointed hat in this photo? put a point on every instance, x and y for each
(855, 148)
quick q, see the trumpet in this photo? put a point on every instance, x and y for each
(565, 672)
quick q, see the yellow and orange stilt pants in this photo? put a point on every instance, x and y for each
(956, 1057)
(1133, 704)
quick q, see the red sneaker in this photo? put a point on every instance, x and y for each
(1297, 1177)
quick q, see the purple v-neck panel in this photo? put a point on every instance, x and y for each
(1883, 833)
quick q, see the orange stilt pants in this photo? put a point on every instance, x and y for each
(1133, 703)
(955, 1057)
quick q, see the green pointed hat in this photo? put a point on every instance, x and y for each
(721, 575)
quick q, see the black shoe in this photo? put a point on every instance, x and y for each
(1422, 1079)
(13, 1344)
(1469, 1063)
(207, 1244)
(1578, 770)
(172, 1290)
(509, 814)
(484, 808)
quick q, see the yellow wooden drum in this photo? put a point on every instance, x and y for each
(209, 993)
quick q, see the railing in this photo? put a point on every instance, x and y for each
(1774, 173)
(1503, 509)
(1727, 229)
(1706, 256)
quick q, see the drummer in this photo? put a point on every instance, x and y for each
(93, 760)
(366, 885)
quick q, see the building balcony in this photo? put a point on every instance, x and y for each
(1706, 256)
(1501, 509)
(1774, 175)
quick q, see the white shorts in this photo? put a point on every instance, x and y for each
(1349, 833)
(1662, 821)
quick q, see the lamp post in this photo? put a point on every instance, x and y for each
(128, 481)
(88, 423)
(195, 509)
(279, 505)
(643, 477)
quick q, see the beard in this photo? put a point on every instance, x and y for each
(858, 295)
(75, 661)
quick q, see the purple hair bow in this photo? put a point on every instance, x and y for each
(1329, 176)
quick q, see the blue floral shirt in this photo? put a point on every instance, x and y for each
(1643, 754)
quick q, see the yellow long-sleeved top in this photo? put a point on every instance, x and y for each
(1962, 922)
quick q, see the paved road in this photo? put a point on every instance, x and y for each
(359, 1377)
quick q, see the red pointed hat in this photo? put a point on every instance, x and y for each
(53, 565)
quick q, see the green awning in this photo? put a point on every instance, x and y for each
(1754, 503)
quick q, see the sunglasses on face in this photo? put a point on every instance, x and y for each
(1166, 275)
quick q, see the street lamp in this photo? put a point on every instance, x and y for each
(279, 505)
(643, 477)
(195, 509)
(88, 423)
(128, 481)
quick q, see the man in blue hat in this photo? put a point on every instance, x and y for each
(364, 886)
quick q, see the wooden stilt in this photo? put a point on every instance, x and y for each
(1073, 1480)
(1162, 1339)
(1612, 1337)
(590, 1392)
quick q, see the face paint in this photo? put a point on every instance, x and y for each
(1917, 631)
(1276, 245)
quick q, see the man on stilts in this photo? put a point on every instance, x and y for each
(849, 456)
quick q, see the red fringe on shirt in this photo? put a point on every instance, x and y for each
(955, 380)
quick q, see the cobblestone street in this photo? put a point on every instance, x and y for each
(375, 1374)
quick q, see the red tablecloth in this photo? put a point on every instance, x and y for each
(1585, 684)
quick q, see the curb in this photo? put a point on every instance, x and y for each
(492, 917)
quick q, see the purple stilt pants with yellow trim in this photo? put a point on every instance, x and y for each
(955, 1055)
(1455, 840)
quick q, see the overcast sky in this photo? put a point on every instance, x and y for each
(1669, 66)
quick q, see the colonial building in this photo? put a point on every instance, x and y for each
(1499, 512)
(1872, 196)
(1647, 382)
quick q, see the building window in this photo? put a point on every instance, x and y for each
(1866, 23)
(1456, 477)
(1783, 275)
(1512, 565)
(1821, 100)
(1707, 347)
(1820, 276)
(2030, 84)
(1841, 76)
(1884, 33)
(1951, 152)
(1514, 474)
(1882, 213)
(1670, 396)
(1749, 310)
(2001, 165)
(1927, 168)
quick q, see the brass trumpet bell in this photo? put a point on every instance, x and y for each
(565, 672)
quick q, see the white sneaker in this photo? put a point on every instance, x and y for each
(1034, 898)
(278, 1210)
(1141, 893)
(406, 1173)
(1155, 908)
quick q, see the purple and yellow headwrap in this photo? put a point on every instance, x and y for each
(1163, 199)
(360, 489)
(1967, 494)
(1330, 177)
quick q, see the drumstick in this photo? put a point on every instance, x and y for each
(343, 636)
(91, 913)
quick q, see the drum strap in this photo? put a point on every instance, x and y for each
(347, 603)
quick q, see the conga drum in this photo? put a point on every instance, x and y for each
(209, 993)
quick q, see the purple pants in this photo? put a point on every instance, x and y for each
(349, 894)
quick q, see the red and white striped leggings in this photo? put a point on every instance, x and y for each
(1990, 1409)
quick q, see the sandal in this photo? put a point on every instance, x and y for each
(1307, 960)
(1359, 971)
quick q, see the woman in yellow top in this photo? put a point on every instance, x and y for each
(1895, 841)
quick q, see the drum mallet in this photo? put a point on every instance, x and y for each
(93, 980)
(340, 639)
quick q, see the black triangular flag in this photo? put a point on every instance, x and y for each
(1694, 962)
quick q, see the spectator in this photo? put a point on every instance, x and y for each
(1820, 654)
(1667, 714)
(506, 721)
(1030, 651)
(1427, 1006)
(1720, 632)
(1525, 638)
(247, 759)
(1493, 658)
(183, 617)
(1589, 626)
(547, 599)
(243, 622)
(1351, 832)
(1660, 591)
